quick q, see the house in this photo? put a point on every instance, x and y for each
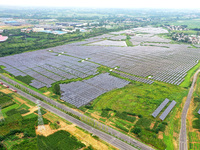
(26, 30)
(38, 29)
(3, 38)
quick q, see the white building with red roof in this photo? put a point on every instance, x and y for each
(3, 38)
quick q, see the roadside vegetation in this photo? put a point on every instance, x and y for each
(194, 119)
(19, 128)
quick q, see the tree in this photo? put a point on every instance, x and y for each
(56, 89)
(136, 130)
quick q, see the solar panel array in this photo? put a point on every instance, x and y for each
(167, 110)
(147, 38)
(168, 65)
(82, 92)
(109, 43)
(120, 37)
(47, 67)
(164, 64)
(160, 107)
(134, 78)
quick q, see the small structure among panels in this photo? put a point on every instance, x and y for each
(199, 112)
(159, 109)
(167, 110)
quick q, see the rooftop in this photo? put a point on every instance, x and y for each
(3, 38)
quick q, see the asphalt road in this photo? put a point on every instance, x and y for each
(106, 137)
(183, 132)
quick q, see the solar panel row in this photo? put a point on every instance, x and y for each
(159, 109)
(82, 92)
(167, 110)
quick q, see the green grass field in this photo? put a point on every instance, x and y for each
(187, 82)
(5, 100)
(59, 140)
(195, 23)
(139, 98)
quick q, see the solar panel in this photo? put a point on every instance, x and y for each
(159, 109)
(82, 92)
(167, 110)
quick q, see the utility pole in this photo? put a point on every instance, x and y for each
(41, 126)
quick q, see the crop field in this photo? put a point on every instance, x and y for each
(19, 129)
(64, 139)
(190, 23)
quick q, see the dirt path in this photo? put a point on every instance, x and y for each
(32, 109)
(6, 91)
(22, 101)
(183, 145)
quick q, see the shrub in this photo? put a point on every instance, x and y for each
(151, 138)
(140, 116)
(143, 122)
(56, 89)
(125, 116)
(136, 130)
(105, 113)
(88, 106)
(26, 79)
(122, 128)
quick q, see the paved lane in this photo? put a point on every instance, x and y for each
(183, 131)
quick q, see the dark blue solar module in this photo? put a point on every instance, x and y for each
(159, 109)
(167, 110)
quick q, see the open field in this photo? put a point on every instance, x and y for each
(134, 100)
(190, 23)
(131, 107)
(15, 27)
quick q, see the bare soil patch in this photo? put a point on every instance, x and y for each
(6, 91)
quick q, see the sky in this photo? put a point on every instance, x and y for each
(178, 4)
